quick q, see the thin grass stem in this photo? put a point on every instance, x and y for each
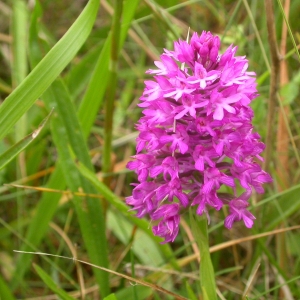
(112, 89)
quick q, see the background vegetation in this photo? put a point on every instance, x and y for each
(64, 194)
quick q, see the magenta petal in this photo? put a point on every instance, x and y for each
(207, 187)
(219, 113)
(248, 219)
(229, 221)
(183, 147)
(227, 180)
(155, 171)
(183, 199)
(199, 165)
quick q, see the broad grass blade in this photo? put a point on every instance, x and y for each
(41, 77)
(89, 210)
(93, 97)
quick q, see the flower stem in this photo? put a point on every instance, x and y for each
(207, 275)
(274, 82)
(111, 92)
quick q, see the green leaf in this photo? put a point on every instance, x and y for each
(35, 55)
(68, 116)
(19, 63)
(122, 228)
(33, 86)
(19, 32)
(111, 297)
(95, 92)
(191, 294)
(88, 210)
(290, 91)
(13, 151)
(49, 201)
(79, 76)
(282, 207)
(207, 275)
(51, 284)
(5, 292)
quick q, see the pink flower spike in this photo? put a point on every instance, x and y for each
(196, 144)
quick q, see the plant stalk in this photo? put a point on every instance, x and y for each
(282, 147)
(111, 91)
(19, 72)
(207, 275)
(274, 82)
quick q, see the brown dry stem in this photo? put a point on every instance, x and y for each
(274, 82)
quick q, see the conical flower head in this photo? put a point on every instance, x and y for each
(196, 136)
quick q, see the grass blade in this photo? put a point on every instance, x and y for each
(51, 284)
(13, 151)
(79, 76)
(22, 98)
(35, 55)
(111, 90)
(68, 116)
(111, 297)
(19, 32)
(207, 276)
(89, 210)
(39, 224)
(48, 203)
(93, 97)
(5, 292)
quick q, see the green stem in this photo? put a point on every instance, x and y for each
(207, 275)
(19, 72)
(19, 33)
(111, 92)
(19, 66)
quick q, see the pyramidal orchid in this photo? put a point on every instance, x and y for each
(196, 137)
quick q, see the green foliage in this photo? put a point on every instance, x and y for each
(207, 274)
(51, 284)
(14, 150)
(111, 297)
(5, 292)
(40, 78)
(290, 91)
(57, 55)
